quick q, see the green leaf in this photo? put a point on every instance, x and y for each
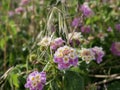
(92, 20)
(54, 85)
(73, 81)
(15, 80)
(2, 43)
(92, 87)
(80, 1)
(114, 85)
(13, 27)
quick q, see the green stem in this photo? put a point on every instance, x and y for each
(46, 66)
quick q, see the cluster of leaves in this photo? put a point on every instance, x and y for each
(20, 54)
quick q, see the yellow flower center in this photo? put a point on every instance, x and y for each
(33, 79)
(66, 59)
(60, 55)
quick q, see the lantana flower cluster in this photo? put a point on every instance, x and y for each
(56, 43)
(95, 53)
(53, 43)
(75, 38)
(99, 54)
(65, 57)
(76, 22)
(45, 42)
(86, 10)
(85, 29)
(87, 55)
(20, 9)
(115, 48)
(36, 80)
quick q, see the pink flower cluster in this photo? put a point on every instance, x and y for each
(76, 22)
(56, 43)
(19, 9)
(36, 80)
(85, 29)
(95, 53)
(75, 38)
(99, 53)
(65, 57)
(86, 10)
(115, 48)
(117, 27)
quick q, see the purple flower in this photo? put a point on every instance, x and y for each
(102, 36)
(87, 55)
(85, 29)
(36, 80)
(65, 57)
(109, 29)
(74, 42)
(86, 10)
(59, 41)
(76, 22)
(115, 48)
(24, 2)
(56, 43)
(99, 53)
(19, 10)
(11, 13)
(117, 27)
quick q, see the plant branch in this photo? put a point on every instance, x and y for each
(108, 78)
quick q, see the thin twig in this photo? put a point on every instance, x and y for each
(5, 75)
(108, 78)
(104, 76)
